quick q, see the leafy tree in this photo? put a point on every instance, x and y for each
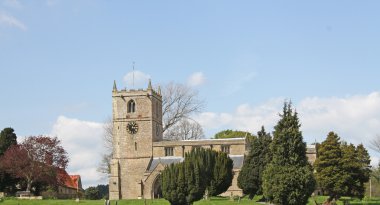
(288, 179)
(250, 176)
(202, 169)
(232, 134)
(36, 159)
(7, 139)
(92, 193)
(103, 191)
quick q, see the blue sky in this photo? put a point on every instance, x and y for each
(58, 60)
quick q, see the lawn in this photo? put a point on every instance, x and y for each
(213, 201)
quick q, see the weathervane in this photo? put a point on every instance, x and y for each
(133, 75)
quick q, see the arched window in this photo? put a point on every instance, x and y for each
(131, 106)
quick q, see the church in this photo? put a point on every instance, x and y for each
(140, 153)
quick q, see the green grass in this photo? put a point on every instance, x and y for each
(213, 201)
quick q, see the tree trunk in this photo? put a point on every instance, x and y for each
(29, 185)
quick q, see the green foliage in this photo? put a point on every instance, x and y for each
(103, 191)
(329, 172)
(92, 193)
(288, 184)
(232, 134)
(250, 176)
(222, 174)
(341, 168)
(288, 179)
(202, 169)
(7, 139)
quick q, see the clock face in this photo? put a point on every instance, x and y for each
(132, 127)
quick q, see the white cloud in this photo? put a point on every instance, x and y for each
(196, 79)
(9, 20)
(83, 142)
(356, 119)
(136, 79)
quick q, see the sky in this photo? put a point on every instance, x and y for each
(59, 58)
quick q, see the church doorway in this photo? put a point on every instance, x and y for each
(157, 191)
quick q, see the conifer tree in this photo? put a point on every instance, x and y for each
(288, 179)
(250, 176)
(341, 169)
(202, 169)
(7, 138)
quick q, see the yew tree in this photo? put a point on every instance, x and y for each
(36, 159)
(288, 179)
(250, 176)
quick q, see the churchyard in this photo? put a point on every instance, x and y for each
(213, 201)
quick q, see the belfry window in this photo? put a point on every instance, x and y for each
(131, 106)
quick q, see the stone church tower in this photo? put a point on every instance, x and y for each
(137, 123)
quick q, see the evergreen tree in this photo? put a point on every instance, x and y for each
(202, 169)
(288, 179)
(329, 172)
(250, 176)
(222, 174)
(7, 139)
(342, 169)
(365, 162)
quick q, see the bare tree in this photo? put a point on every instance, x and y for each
(185, 130)
(375, 144)
(179, 102)
(105, 163)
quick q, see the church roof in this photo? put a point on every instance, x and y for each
(164, 161)
(237, 160)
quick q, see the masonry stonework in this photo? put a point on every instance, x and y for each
(140, 154)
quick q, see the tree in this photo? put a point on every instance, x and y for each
(105, 164)
(7, 139)
(250, 176)
(330, 174)
(92, 193)
(232, 134)
(185, 130)
(288, 178)
(178, 102)
(202, 169)
(36, 159)
(222, 174)
(341, 168)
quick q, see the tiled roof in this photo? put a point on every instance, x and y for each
(69, 181)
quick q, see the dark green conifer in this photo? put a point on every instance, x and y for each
(250, 176)
(288, 179)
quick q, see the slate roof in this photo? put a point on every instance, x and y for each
(237, 160)
(164, 161)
